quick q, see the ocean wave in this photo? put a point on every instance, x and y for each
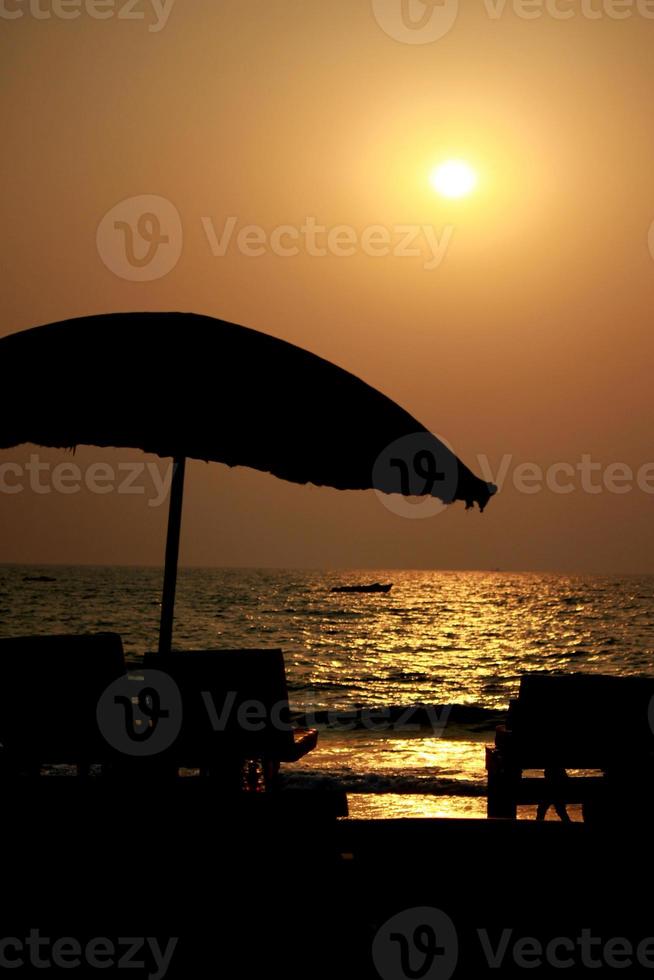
(401, 784)
(399, 717)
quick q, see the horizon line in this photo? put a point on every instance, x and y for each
(324, 568)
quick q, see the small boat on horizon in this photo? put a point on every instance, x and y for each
(373, 587)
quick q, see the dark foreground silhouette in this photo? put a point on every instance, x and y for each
(220, 873)
(274, 886)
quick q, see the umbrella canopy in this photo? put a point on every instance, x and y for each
(183, 385)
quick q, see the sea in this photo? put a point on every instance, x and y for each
(406, 687)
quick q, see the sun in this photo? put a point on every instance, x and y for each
(454, 178)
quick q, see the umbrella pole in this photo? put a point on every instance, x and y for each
(172, 555)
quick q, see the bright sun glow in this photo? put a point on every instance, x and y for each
(454, 178)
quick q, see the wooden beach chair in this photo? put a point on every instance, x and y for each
(234, 711)
(589, 722)
(49, 692)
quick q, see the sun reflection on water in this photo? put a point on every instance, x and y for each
(438, 638)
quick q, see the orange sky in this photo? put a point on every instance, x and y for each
(529, 337)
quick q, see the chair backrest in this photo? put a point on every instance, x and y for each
(582, 721)
(49, 692)
(234, 703)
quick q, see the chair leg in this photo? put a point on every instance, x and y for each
(501, 787)
(270, 774)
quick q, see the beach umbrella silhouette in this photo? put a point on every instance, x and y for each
(182, 385)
